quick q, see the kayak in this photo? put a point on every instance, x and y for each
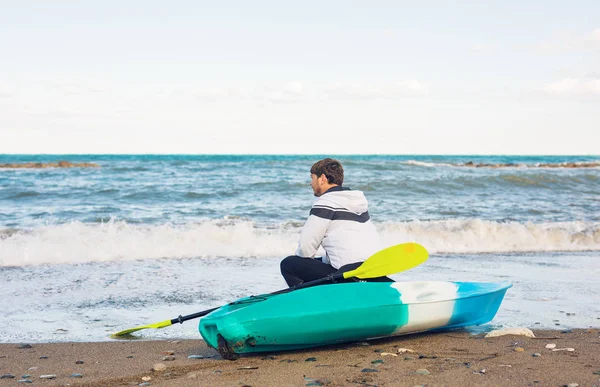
(347, 312)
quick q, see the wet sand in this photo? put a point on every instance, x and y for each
(455, 358)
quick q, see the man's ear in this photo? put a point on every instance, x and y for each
(323, 179)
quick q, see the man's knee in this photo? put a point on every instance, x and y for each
(288, 262)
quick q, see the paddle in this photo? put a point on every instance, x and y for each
(388, 261)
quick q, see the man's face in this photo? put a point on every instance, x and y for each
(316, 184)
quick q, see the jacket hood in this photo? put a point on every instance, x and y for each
(353, 201)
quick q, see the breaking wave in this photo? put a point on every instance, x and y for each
(78, 242)
(471, 164)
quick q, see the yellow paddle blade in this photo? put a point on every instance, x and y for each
(391, 260)
(161, 324)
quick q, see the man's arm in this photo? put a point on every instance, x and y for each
(312, 235)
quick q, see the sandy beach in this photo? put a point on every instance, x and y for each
(454, 358)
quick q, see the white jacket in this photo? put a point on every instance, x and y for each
(339, 221)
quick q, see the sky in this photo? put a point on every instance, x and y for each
(309, 77)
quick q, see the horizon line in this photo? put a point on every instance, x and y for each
(308, 154)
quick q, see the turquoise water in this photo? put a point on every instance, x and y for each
(147, 236)
(269, 190)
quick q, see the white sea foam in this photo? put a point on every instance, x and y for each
(483, 236)
(117, 240)
(429, 165)
(594, 164)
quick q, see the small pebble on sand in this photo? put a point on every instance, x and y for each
(519, 349)
(159, 367)
(550, 346)
(422, 371)
(48, 377)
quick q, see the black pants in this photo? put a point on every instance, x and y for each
(297, 270)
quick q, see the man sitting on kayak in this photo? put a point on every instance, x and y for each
(339, 222)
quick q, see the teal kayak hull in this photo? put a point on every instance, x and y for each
(338, 313)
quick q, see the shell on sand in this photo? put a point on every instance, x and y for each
(511, 331)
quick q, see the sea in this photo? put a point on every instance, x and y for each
(86, 252)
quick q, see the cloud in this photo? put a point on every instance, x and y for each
(482, 47)
(395, 90)
(573, 87)
(296, 88)
(595, 35)
(80, 89)
(566, 41)
(5, 91)
(289, 92)
(214, 94)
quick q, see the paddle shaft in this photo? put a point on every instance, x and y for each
(331, 277)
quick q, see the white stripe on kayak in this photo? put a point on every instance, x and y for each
(430, 304)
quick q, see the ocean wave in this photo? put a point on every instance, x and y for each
(471, 164)
(197, 195)
(542, 179)
(23, 194)
(428, 165)
(460, 236)
(107, 191)
(78, 242)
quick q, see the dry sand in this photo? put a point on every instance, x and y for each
(454, 358)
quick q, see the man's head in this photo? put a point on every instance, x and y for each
(325, 174)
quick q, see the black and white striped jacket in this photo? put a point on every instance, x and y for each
(339, 222)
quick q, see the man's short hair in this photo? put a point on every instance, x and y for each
(332, 169)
